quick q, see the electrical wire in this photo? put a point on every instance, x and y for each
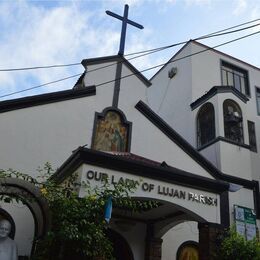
(139, 72)
(39, 86)
(201, 37)
(41, 67)
(173, 45)
(146, 52)
(184, 57)
(196, 39)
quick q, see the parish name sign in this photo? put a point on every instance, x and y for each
(203, 203)
(164, 190)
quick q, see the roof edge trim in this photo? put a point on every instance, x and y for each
(43, 99)
(110, 161)
(216, 90)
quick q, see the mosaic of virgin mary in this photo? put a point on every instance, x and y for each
(111, 134)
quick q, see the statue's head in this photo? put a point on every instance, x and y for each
(5, 228)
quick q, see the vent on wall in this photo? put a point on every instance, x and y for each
(172, 72)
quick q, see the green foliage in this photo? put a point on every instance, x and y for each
(236, 247)
(78, 227)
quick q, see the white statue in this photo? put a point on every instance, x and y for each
(8, 249)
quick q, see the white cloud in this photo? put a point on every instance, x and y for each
(46, 36)
(129, 2)
(255, 14)
(198, 2)
(241, 6)
(38, 37)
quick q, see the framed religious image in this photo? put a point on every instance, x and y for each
(111, 131)
(188, 251)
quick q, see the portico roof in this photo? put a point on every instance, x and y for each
(138, 166)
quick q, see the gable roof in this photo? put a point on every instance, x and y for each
(208, 49)
(42, 99)
(116, 59)
(188, 148)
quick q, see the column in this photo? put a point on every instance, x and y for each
(153, 249)
(208, 234)
(153, 245)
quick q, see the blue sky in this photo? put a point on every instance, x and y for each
(36, 33)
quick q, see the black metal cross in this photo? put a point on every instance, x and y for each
(125, 21)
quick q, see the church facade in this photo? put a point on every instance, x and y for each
(190, 134)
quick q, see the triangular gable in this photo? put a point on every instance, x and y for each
(116, 59)
(208, 48)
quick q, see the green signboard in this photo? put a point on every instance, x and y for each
(245, 220)
(250, 216)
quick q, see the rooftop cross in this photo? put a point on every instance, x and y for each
(125, 21)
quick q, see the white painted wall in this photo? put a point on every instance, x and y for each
(255, 165)
(212, 154)
(150, 142)
(197, 75)
(170, 98)
(205, 71)
(235, 160)
(172, 240)
(49, 133)
(242, 198)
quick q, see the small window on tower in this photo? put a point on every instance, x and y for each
(233, 121)
(205, 124)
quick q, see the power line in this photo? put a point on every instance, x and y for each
(201, 37)
(148, 52)
(145, 52)
(42, 85)
(139, 72)
(235, 26)
(41, 67)
(220, 33)
(184, 57)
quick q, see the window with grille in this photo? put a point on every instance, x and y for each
(233, 121)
